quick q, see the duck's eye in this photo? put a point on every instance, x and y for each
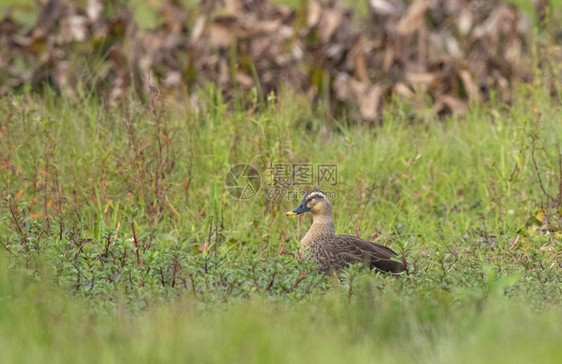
(320, 196)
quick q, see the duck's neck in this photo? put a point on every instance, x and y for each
(322, 226)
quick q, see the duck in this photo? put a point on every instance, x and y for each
(332, 252)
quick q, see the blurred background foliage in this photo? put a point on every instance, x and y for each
(349, 58)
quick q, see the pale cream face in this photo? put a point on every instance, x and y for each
(317, 202)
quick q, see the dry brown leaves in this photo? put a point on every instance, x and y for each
(454, 51)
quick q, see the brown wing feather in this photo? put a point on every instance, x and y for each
(354, 250)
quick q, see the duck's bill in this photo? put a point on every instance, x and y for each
(299, 210)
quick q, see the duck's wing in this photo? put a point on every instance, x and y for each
(354, 250)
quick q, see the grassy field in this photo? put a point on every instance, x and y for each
(119, 241)
(205, 277)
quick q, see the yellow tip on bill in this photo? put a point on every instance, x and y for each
(291, 213)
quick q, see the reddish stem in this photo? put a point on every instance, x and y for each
(136, 242)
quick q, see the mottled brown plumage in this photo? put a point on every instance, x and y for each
(333, 252)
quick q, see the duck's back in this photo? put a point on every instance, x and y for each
(339, 251)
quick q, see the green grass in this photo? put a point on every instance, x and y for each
(459, 199)
(41, 324)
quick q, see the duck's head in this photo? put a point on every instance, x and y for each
(314, 201)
